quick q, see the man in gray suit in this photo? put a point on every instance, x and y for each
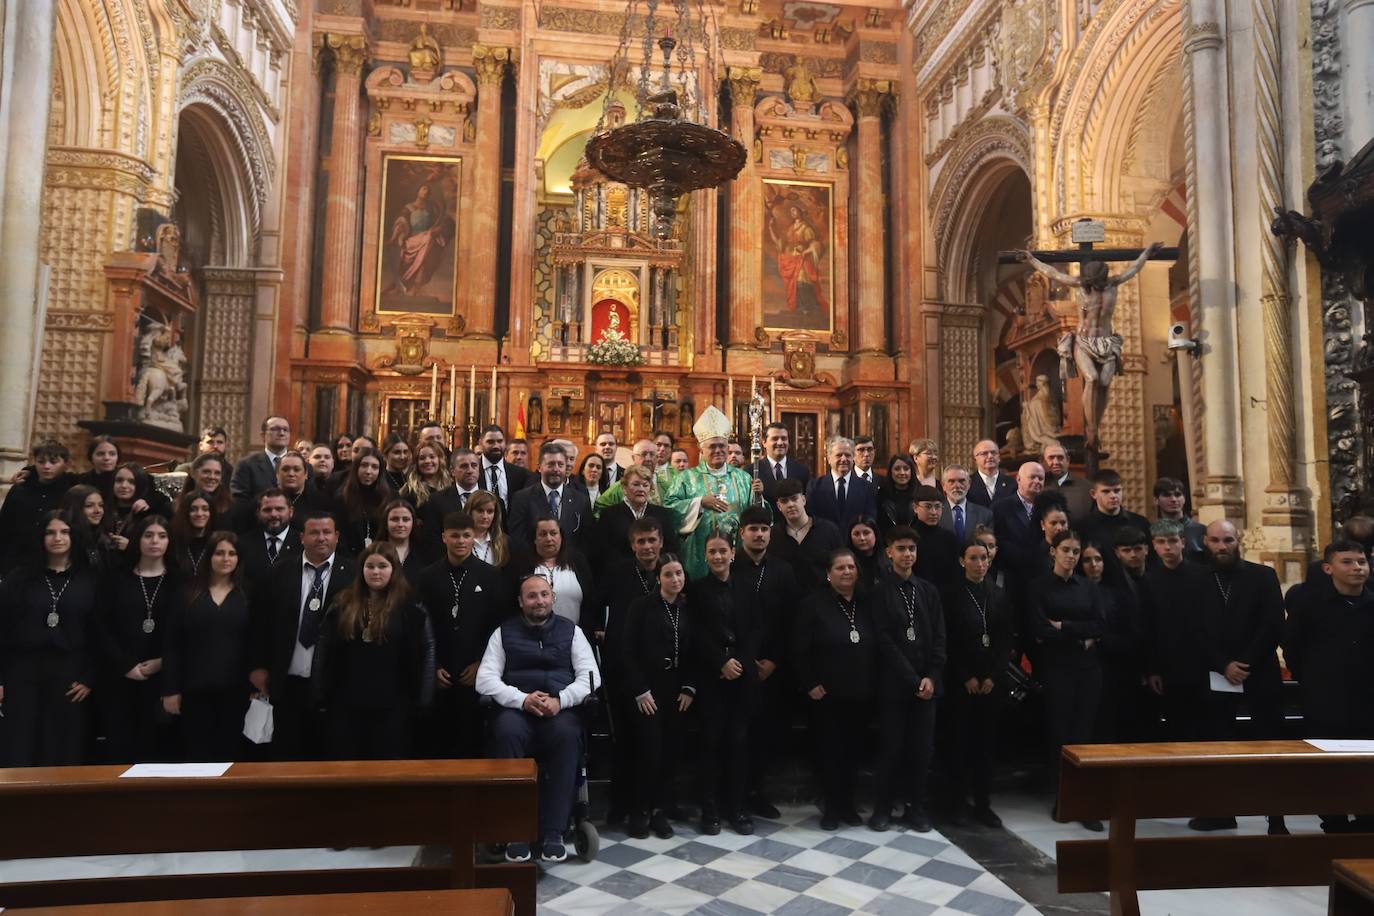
(961, 516)
(1076, 491)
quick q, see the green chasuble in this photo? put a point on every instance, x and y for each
(615, 494)
(696, 524)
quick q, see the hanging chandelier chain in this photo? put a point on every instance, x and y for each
(618, 68)
(646, 64)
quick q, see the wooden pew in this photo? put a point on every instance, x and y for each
(485, 902)
(79, 811)
(1123, 782)
(1352, 888)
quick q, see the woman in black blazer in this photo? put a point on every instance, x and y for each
(834, 652)
(894, 492)
(567, 571)
(658, 671)
(402, 531)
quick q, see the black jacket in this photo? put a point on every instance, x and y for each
(1077, 604)
(823, 652)
(1174, 625)
(763, 468)
(1326, 643)
(978, 491)
(21, 517)
(613, 532)
(396, 673)
(860, 500)
(728, 621)
(1247, 626)
(937, 555)
(275, 613)
(530, 504)
(905, 661)
(971, 611)
(483, 602)
(253, 555)
(809, 558)
(652, 656)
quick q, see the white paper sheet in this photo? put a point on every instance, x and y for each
(1219, 684)
(183, 770)
(1342, 745)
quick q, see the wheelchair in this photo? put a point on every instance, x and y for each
(580, 834)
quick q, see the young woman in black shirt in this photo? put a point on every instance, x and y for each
(373, 670)
(364, 492)
(205, 656)
(834, 652)
(103, 454)
(658, 671)
(192, 522)
(868, 552)
(83, 507)
(136, 602)
(46, 615)
(210, 474)
(401, 531)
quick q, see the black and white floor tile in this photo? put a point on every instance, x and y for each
(789, 867)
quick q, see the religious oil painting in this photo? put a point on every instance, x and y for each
(798, 255)
(417, 268)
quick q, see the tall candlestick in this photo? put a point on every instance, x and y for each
(773, 397)
(493, 394)
(472, 391)
(730, 401)
(453, 395)
(433, 389)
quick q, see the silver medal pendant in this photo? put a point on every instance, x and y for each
(53, 620)
(910, 634)
(314, 604)
(367, 635)
(987, 640)
(454, 612)
(854, 637)
(367, 542)
(149, 625)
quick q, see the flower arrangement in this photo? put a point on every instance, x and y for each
(613, 349)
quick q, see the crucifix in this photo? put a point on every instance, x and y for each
(1093, 349)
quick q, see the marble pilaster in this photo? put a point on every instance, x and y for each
(746, 210)
(490, 63)
(341, 243)
(870, 309)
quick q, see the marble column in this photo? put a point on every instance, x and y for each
(870, 307)
(746, 210)
(1356, 39)
(490, 64)
(341, 243)
(26, 59)
(1210, 156)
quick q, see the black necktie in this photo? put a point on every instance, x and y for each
(496, 490)
(462, 500)
(272, 549)
(959, 523)
(839, 493)
(777, 472)
(314, 608)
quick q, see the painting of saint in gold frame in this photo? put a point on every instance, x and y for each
(798, 255)
(417, 250)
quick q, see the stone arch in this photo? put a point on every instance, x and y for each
(1120, 68)
(83, 59)
(995, 149)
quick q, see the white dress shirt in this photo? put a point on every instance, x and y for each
(989, 483)
(465, 495)
(489, 681)
(502, 490)
(301, 657)
(567, 591)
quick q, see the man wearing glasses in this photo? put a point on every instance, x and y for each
(258, 471)
(989, 484)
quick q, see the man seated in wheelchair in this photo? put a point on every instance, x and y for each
(537, 668)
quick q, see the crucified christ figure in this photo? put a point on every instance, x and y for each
(1093, 348)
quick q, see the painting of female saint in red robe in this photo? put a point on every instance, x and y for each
(798, 256)
(418, 240)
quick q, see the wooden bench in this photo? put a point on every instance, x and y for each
(81, 811)
(1123, 782)
(487, 902)
(1352, 888)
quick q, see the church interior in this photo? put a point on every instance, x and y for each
(373, 216)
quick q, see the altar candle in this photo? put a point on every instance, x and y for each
(773, 396)
(472, 392)
(493, 394)
(453, 395)
(433, 389)
(730, 400)
(753, 387)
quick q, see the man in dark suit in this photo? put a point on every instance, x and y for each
(960, 516)
(258, 471)
(496, 475)
(610, 471)
(1076, 490)
(841, 496)
(466, 482)
(466, 600)
(301, 492)
(1017, 537)
(1244, 614)
(989, 484)
(285, 619)
(270, 540)
(776, 466)
(550, 497)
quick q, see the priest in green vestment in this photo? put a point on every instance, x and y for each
(710, 496)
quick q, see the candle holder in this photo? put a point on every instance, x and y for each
(472, 433)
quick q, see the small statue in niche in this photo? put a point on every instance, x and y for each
(686, 418)
(801, 87)
(536, 411)
(1040, 417)
(425, 55)
(160, 377)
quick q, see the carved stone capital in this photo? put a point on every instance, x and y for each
(351, 52)
(744, 84)
(868, 95)
(490, 63)
(1202, 36)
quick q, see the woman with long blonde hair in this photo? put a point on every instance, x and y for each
(489, 542)
(374, 662)
(427, 476)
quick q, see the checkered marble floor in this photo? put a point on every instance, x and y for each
(790, 867)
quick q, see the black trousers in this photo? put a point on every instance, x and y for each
(368, 734)
(727, 711)
(623, 777)
(555, 743)
(212, 723)
(1186, 715)
(906, 739)
(1119, 714)
(297, 726)
(974, 735)
(837, 728)
(42, 726)
(452, 728)
(1072, 695)
(657, 748)
(774, 708)
(132, 720)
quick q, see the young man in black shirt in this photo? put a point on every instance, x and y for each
(801, 539)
